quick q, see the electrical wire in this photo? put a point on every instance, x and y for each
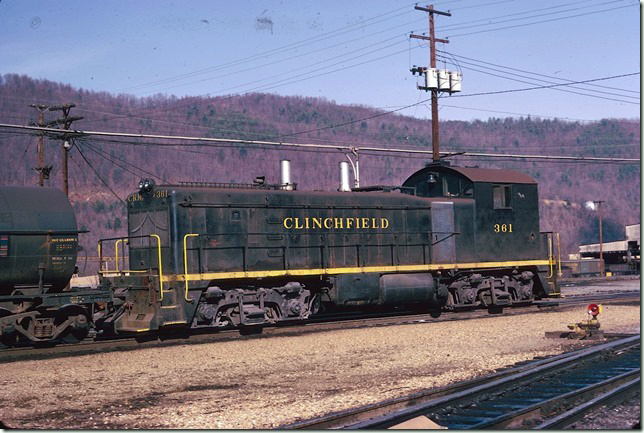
(98, 175)
(528, 72)
(456, 96)
(540, 22)
(546, 86)
(498, 19)
(285, 48)
(109, 157)
(199, 141)
(544, 81)
(555, 88)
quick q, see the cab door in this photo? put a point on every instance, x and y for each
(442, 236)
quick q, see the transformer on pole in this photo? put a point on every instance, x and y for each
(436, 80)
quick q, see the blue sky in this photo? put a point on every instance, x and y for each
(347, 51)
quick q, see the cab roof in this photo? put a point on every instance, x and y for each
(486, 175)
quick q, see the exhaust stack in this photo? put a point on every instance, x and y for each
(285, 174)
(344, 177)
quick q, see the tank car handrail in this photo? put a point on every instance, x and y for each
(185, 262)
(41, 232)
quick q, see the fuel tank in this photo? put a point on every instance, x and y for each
(38, 239)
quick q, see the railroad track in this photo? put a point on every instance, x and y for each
(548, 393)
(331, 322)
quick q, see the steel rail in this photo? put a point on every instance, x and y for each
(536, 411)
(614, 395)
(345, 418)
(329, 322)
(392, 412)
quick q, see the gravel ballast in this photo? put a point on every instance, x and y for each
(267, 382)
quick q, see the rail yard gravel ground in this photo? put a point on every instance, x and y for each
(267, 382)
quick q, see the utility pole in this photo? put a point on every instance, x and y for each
(41, 157)
(601, 245)
(66, 122)
(432, 59)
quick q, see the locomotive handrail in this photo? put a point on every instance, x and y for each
(550, 256)
(160, 266)
(327, 232)
(118, 240)
(297, 206)
(187, 275)
(559, 273)
(449, 235)
(100, 254)
(185, 262)
(116, 255)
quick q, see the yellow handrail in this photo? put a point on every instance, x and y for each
(160, 267)
(559, 273)
(550, 256)
(100, 258)
(116, 248)
(185, 263)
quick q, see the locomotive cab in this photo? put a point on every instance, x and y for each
(497, 223)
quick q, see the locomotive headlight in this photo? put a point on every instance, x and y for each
(146, 185)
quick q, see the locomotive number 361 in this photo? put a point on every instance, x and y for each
(502, 228)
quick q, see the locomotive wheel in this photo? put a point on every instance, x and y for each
(495, 309)
(251, 330)
(7, 339)
(435, 314)
(77, 331)
(315, 305)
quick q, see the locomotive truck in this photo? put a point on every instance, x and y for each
(244, 255)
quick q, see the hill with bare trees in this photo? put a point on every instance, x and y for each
(103, 171)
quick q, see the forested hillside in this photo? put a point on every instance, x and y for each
(121, 163)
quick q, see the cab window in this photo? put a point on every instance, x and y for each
(502, 196)
(457, 187)
(451, 186)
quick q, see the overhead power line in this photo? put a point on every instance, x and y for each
(550, 86)
(582, 93)
(458, 56)
(540, 22)
(302, 43)
(201, 141)
(421, 102)
(98, 174)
